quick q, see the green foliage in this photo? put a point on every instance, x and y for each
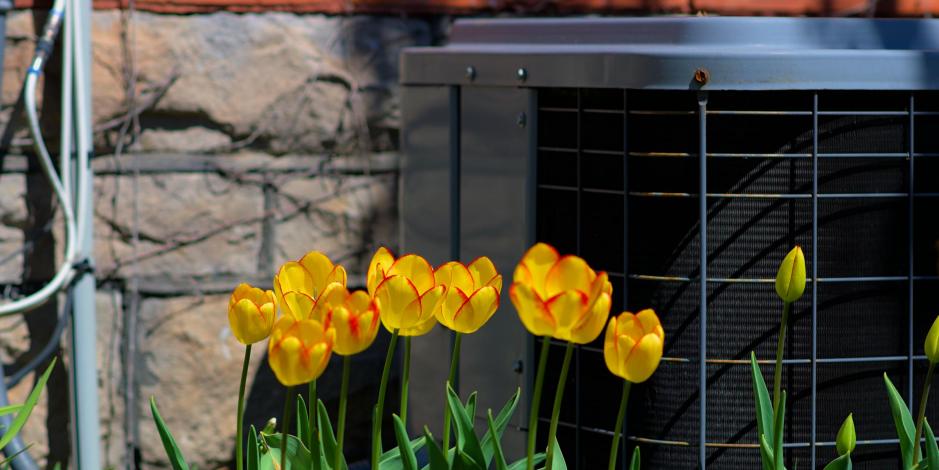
(932, 451)
(23, 411)
(328, 437)
(408, 459)
(634, 462)
(169, 444)
(843, 462)
(254, 457)
(298, 456)
(765, 423)
(903, 422)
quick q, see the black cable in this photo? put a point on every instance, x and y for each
(46, 352)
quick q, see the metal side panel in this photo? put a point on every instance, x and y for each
(494, 221)
(428, 113)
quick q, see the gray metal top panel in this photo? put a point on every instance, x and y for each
(665, 52)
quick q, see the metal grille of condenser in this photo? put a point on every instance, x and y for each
(690, 200)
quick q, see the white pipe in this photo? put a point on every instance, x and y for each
(65, 271)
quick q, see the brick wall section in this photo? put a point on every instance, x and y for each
(903, 8)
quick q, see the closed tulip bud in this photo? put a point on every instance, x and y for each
(299, 350)
(932, 342)
(790, 279)
(353, 316)
(633, 345)
(560, 296)
(251, 313)
(298, 283)
(472, 294)
(846, 439)
(405, 292)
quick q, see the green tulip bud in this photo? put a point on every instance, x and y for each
(846, 436)
(932, 343)
(270, 427)
(790, 279)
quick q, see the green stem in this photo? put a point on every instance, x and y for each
(341, 426)
(777, 373)
(556, 411)
(454, 366)
(405, 377)
(922, 412)
(285, 428)
(536, 402)
(240, 426)
(621, 415)
(311, 414)
(380, 406)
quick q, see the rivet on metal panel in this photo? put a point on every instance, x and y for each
(470, 73)
(519, 367)
(702, 76)
(521, 120)
(521, 74)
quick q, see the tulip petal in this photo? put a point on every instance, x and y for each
(476, 311)
(293, 277)
(398, 302)
(320, 267)
(377, 267)
(644, 359)
(566, 308)
(482, 271)
(419, 329)
(610, 347)
(453, 274)
(452, 301)
(569, 273)
(415, 268)
(430, 302)
(297, 305)
(591, 324)
(358, 301)
(624, 345)
(532, 311)
(649, 320)
(629, 325)
(538, 260)
(496, 283)
(931, 346)
(242, 318)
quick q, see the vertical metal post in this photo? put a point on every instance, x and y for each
(623, 447)
(814, 273)
(84, 331)
(702, 319)
(909, 245)
(454, 199)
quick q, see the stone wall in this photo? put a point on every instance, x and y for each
(251, 138)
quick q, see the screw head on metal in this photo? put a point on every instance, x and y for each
(470, 73)
(521, 120)
(702, 76)
(521, 74)
(519, 367)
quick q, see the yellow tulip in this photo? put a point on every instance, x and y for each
(472, 294)
(405, 292)
(299, 350)
(251, 313)
(298, 283)
(932, 342)
(353, 316)
(560, 296)
(633, 345)
(790, 278)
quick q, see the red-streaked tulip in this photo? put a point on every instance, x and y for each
(251, 313)
(405, 292)
(633, 345)
(472, 296)
(299, 350)
(353, 316)
(560, 296)
(298, 283)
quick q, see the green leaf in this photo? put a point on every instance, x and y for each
(409, 459)
(634, 463)
(522, 462)
(493, 438)
(27, 407)
(330, 446)
(557, 460)
(497, 447)
(778, 431)
(471, 406)
(466, 440)
(764, 406)
(766, 453)
(253, 457)
(438, 461)
(303, 420)
(169, 444)
(298, 456)
(841, 463)
(932, 451)
(903, 421)
(5, 410)
(392, 458)
(9, 460)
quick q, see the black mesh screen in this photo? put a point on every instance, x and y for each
(618, 183)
